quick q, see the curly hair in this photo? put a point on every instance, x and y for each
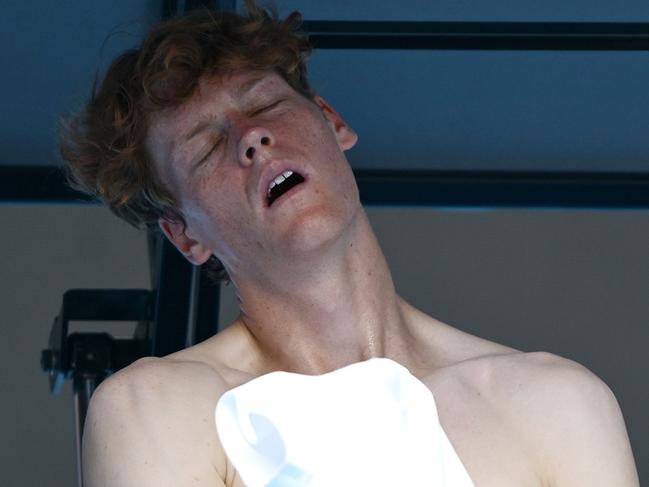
(103, 146)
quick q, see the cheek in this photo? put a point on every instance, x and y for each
(207, 200)
(216, 207)
(314, 137)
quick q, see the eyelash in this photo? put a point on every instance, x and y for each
(204, 158)
(267, 107)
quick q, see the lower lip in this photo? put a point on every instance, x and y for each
(286, 195)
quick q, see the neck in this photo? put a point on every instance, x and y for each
(314, 322)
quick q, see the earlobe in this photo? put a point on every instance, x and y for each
(345, 135)
(194, 251)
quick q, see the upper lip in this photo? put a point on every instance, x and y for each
(271, 171)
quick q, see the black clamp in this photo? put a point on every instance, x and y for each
(97, 355)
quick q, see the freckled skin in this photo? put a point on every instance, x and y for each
(217, 198)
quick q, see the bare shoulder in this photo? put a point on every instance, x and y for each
(509, 370)
(152, 423)
(545, 382)
(568, 418)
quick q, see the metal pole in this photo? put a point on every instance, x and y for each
(508, 36)
(84, 386)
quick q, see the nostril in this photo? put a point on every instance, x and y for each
(250, 152)
(265, 141)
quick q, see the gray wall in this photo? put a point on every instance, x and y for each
(573, 283)
(45, 251)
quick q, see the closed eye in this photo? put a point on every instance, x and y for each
(265, 108)
(214, 147)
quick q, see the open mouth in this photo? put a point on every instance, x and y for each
(281, 185)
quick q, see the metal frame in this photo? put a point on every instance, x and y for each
(88, 358)
(437, 188)
(505, 189)
(509, 36)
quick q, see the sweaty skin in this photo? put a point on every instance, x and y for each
(316, 294)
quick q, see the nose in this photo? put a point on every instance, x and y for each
(254, 145)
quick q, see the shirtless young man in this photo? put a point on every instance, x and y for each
(195, 148)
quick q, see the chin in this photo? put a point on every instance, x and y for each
(315, 231)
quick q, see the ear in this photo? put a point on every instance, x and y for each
(194, 251)
(344, 133)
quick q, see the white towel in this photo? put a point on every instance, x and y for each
(371, 423)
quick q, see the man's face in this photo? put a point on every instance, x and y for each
(218, 153)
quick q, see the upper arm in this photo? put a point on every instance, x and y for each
(135, 435)
(581, 428)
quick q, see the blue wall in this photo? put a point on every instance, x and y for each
(49, 53)
(426, 109)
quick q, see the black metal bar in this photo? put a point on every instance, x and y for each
(493, 189)
(107, 304)
(207, 307)
(194, 4)
(37, 184)
(168, 9)
(172, 301)
(436, 188)
(83, 387)
(510, 36)
(171, 8)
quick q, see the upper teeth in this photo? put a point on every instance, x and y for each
(279, 179)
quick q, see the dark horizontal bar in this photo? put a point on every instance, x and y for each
(510, 36)
(37, 184)
(504, 189)
(434, 188)
(108, 305)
